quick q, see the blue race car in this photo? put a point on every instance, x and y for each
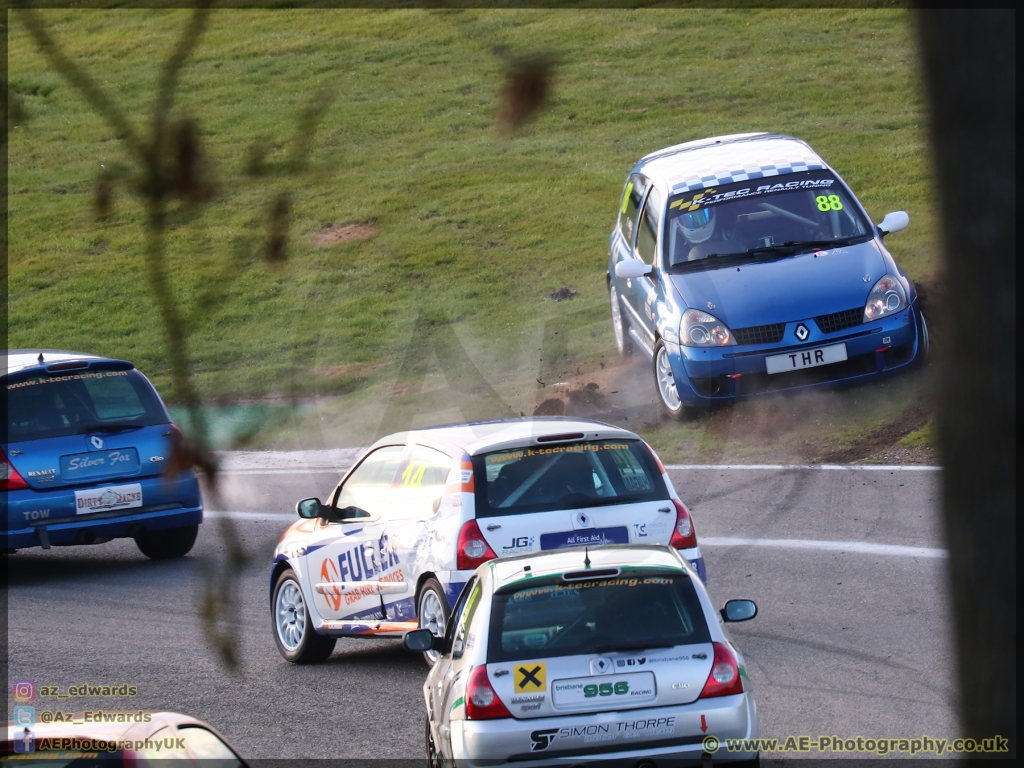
(743, 264)
(84, 457)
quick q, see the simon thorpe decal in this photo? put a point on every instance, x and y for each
(542, 739)
(628, 729)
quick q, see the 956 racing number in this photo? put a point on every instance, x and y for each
(588, 692)
(620, 688)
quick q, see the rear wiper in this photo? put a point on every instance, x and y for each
(109, 427)
(634, 647)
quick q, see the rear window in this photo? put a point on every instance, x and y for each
(585, 474)
(633, 611)
(84, 401)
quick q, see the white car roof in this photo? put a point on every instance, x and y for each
(508, 570)
(480, 437)
(725, 159)
(20, 359)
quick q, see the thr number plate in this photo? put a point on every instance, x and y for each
(806, 358)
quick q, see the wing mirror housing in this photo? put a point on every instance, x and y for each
(420, 641)
(894, 222)
(309, 509)
(739, 610)
(629, 268)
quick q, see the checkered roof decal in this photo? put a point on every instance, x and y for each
(724, 164)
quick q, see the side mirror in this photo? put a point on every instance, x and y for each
(419, 640)
(894, 222)
(632, 268)
(308, 509)
(436, 505)
(739, 610)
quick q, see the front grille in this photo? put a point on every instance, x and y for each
(760, 334)
(840, 321)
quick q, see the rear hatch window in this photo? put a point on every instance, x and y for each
(93, 400)
(630, 612)
(571, 475)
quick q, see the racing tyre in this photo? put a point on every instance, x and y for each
(925, 345)
(622, 340)
(665, 383)
(432, 612)
(296, 639)
(168, 543)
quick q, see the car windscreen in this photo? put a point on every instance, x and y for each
(631, 611)
(541, 478)
(91, 400)
(737, 219)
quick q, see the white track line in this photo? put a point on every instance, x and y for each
(780, 467)
(856, 547)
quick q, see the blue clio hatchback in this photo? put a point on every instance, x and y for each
(84, 457)
(744, 264)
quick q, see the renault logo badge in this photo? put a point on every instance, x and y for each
(801, 332)
(97, 443)
(583, 520)
(601, 666)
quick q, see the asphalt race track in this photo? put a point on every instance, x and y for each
(852, 639)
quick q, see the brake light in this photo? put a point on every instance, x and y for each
(683, 535)
(724, 679)
(482, 703)
(10, 480)
(661, 467)
(472, 549)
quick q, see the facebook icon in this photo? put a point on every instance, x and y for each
(25, 742)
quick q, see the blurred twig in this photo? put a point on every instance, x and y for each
(168, 164)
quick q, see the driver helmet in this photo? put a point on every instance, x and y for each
(698, 225)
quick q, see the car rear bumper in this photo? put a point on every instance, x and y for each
(46, 518)
(874, 350)
(678, 736)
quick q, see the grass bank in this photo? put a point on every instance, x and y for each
(463, 232)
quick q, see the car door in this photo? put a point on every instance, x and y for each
(450, 670)
(643, 296)
(344, 551)
(404, 546)
(622, 240)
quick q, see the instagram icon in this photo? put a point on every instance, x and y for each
(24, 691)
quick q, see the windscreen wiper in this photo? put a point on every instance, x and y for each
(839, 241)
(789, 247)
(110, 427)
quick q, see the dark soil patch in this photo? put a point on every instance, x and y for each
(881, 440)
(553, 406)
(561, 294)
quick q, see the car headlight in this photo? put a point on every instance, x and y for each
(699, 329)
(886, 298)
